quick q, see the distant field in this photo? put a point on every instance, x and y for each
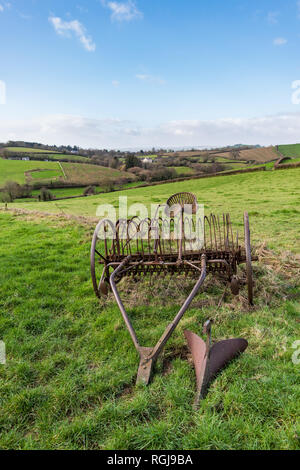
(259, 155)
(234, 193)
(14, 170)
(45, 154)
(290, 150)
(183, 170)
(192, 153)
(62, 156)
(26, 150)
(86, 174)
(46, 174)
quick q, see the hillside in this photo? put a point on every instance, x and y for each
(39, 171)
(42, 154)
(257, 155)
(69, 382)
(19, 170)
(292, 151)
(234, 193)
(91, 174)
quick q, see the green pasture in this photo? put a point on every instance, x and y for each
(292, 150)
(272, 199)
(69, 379)
(14, 170)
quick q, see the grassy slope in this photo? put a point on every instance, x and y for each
(84, 174)
(14, 170)
(272, 199)
(183, 170)
(26, 150)
(290, 150)
(47, 154)
(69, 378)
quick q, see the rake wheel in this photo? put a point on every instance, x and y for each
(249, 271)
(100, 251)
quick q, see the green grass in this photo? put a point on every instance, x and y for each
(46, 174)
(89, 174)
(69, 378)
(26, 150)
(14, 170)
(290, 150)
(61, 156)
(79, 173)
(183, 170)
(271, 197)
(45, 154)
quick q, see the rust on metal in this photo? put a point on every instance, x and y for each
(209, 359)
(137, 247)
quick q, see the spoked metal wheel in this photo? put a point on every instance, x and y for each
(249, 271)
(101, 248)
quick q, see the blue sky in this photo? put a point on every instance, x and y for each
(150, 72)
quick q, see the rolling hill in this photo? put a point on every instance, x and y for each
(39, 171)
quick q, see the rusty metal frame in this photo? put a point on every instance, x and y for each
(148, 356)
(127, 254)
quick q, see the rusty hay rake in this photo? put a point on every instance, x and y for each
(176, 241)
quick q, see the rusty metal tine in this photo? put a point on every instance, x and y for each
(120, 303)
(170, 328)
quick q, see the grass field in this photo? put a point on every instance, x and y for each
(26, 150)
(46, 154)
(69, 378)
(292, 151)
(46, 174)
(259, 155)
(236, 193)
(14, 170)
(183, 170)
(86, 174)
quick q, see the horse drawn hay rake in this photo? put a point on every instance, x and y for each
(177, 240)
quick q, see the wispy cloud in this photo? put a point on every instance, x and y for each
(115, 83)
(123, 11)
(4, 6)
(272, 17)
(150, 79)
(67, 28)
(280, 41)
(116, 133)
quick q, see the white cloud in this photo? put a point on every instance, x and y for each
(272, 17)
(280, 41)
(4, 6)
(115, 83)
(66, 28)
(150, 79)
(123, 11)
(116, 133)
